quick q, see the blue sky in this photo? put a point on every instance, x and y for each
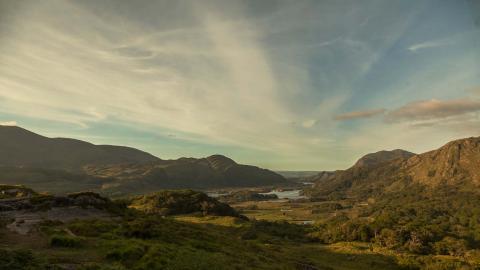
(288, 85)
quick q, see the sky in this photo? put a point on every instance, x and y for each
(285, 85)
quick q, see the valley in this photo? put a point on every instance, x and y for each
(390, 210)
(240, 135)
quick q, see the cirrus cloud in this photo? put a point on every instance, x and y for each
(428, 44)
(359, 114)
(433, 109)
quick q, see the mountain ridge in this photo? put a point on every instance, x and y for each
(21, 147)
(37, 159)
(456, 164)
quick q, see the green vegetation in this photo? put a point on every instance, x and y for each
(177, 202)
(152, 242)
(49, 180)
(65, 241)
(19, 260)
(415, 221)
(246, 196)
(188, 230)
(444, 223)
(147, 240)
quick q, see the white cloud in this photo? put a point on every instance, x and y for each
(212, 81)
(309, 123)
(429, 44)
(434, 109)
(220, 73)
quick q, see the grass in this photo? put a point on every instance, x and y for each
(65, 241)
(186, 242)
(140, 241)
(215, 220)
(284, 210)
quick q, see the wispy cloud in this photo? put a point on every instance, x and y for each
(433, 109)
(429, 44)
(474, 90)
(359, 114)
(234, 74)
(309, 123)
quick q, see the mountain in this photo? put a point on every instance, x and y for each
(374, 159)
(422, 204)
(216, 171)
(456, 164)
(20, 147)
(331, 181)
(68, 165)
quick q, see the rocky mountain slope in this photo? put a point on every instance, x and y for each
(211, 172)
(456, 164)
(373, 159)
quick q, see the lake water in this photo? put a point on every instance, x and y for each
(287, 194)
(217, 194)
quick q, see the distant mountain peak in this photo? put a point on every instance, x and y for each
(39, 161)
(455, 162)
(20, 147)
(456, 165)
(382, 156)
(220, 162)
(16, 130)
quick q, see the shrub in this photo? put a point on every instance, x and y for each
(177, 202)
(127, 252)
(92, 228)
(251, 207)
(451, 246)
(113, 266)
(18, 260)
(65, 241)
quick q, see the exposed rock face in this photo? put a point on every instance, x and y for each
(43, 202)
(214, 171)
(456, 164)
(15, 191)
(373, 159)
(220, 163)
(24, 213)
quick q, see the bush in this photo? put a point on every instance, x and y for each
(65, 241)
(279, 229)
(113, 266)
(92, 228)
(127, 252)
(251, 207)
(451, 246)
(18, 260)
(178, 202)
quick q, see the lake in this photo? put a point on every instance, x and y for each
(287, 194)
(217, 194)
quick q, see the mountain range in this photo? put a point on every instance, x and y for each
(62, 164)
(456, 164)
